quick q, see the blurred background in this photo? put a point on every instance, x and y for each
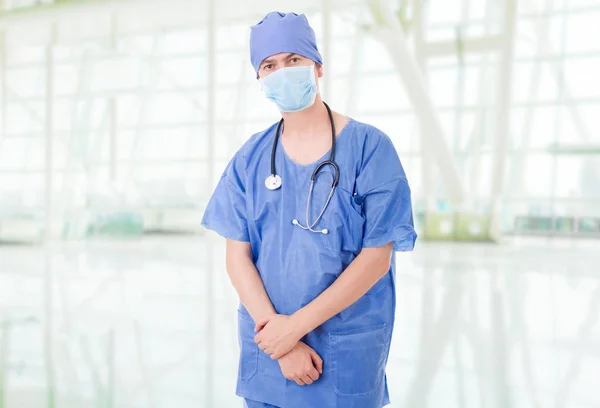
(118, 117)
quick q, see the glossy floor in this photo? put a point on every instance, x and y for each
(151, 324)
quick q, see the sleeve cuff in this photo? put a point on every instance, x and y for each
(225, 229)
(403, 240)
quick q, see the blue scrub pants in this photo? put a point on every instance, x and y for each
(255, 404)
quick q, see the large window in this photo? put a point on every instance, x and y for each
(129, 105)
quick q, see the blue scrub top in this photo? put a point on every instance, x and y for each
(371, 207)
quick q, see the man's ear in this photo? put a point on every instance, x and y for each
(319, 70)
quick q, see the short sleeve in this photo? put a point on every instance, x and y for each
(383, 190)
(226, 210)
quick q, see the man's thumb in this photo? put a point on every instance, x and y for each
(317, 361)
(261, 324)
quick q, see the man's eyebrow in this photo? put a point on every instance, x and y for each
(267, 61)
(271, 61)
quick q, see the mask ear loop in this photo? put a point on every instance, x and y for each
(314, 65)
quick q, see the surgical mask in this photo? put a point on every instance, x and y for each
(292, 89)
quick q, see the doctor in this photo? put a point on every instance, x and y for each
(313, 209)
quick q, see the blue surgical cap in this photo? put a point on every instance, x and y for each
(282, 32)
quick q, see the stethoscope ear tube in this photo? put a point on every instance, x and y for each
(274, 149)
(336, 177)
(331, 155)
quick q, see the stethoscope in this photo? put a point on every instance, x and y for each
(273, 181)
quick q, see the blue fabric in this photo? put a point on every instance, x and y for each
(370, 207)
(292, 89)
(282, 32)
(256, 404)
(226, 212)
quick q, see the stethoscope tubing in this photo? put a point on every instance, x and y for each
(273, 182)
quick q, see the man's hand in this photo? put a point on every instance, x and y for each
(302, 365)
(278, 335)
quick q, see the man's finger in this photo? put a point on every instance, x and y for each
(307, 380)
(299, 381)
(317, 361)
(313, 374)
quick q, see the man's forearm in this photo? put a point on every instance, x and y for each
(248, 284)
(360, 276)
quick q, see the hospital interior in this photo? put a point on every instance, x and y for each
(118, 118)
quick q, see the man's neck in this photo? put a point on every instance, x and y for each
(310, 121)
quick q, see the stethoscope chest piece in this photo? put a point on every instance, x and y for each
(273, 182)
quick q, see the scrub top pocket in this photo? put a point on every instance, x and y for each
(356, 360)
(342, 219)
(248, 363)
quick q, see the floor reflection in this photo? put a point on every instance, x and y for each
(140, 324)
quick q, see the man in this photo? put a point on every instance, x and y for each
(311, 260)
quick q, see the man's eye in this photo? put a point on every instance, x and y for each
(295, 59)
(268, 66)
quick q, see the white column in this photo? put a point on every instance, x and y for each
(3, 87)
(48, 323)
(48, 132)
(112, 154)
(210, 138)
(503, 119)
(427, 179)
(112, 109)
